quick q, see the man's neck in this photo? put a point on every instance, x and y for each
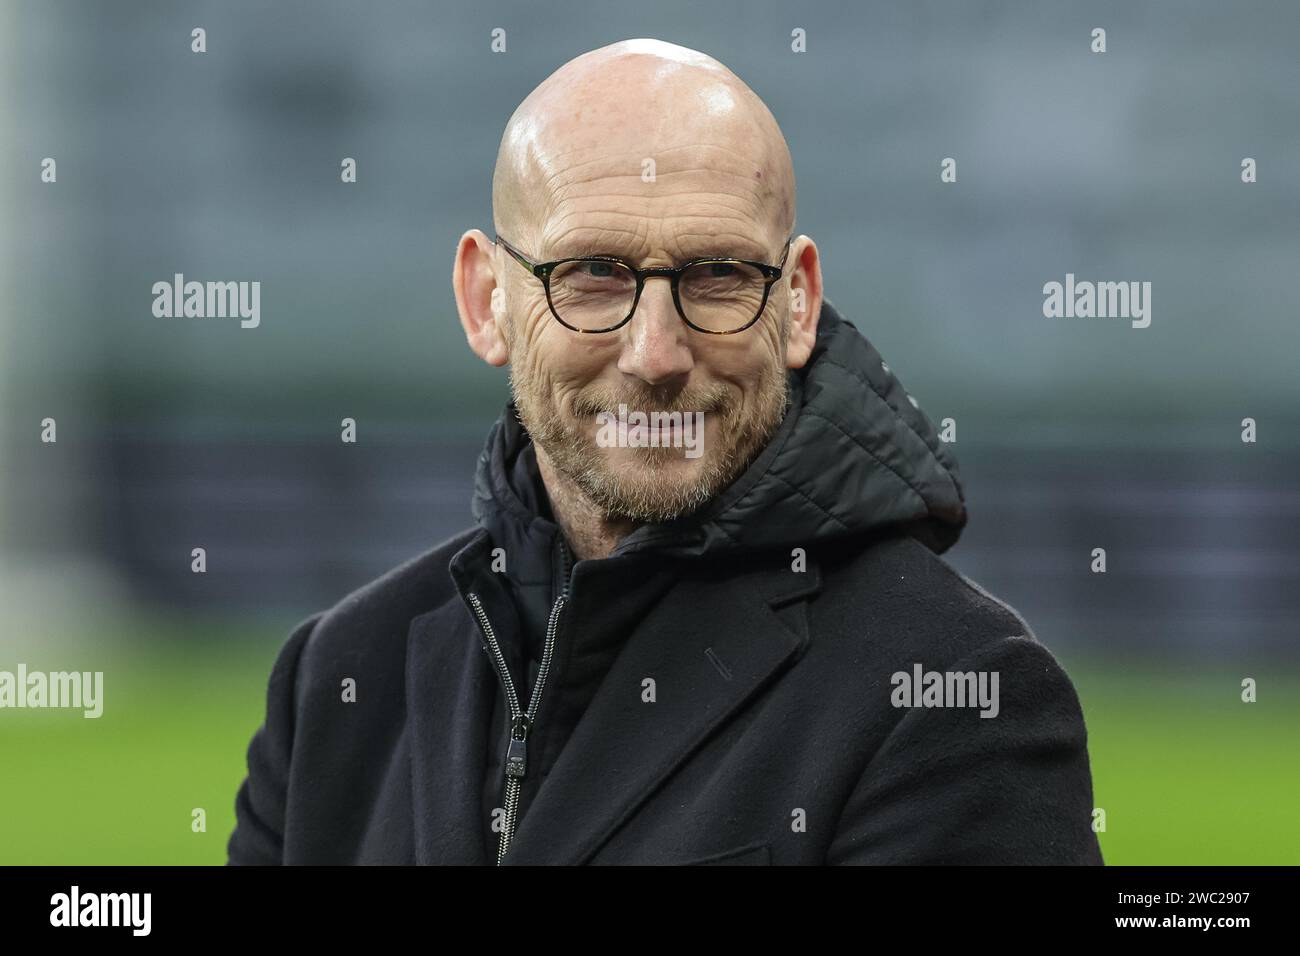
(590, 533)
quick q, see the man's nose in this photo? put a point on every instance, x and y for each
(656, 348)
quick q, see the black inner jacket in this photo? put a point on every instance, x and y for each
(853, 455)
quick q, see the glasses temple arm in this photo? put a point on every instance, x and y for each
(517, 256)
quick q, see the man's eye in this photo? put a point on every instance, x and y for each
(722, 270)
(601, 270)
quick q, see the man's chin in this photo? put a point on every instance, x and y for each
(647, 484)
(666, 463)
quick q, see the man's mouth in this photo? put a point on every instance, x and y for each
(636, 428)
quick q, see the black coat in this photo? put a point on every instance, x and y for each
(721, 689)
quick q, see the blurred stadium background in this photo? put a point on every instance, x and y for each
(1071, 434)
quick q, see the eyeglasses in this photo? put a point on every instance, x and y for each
(720, 296)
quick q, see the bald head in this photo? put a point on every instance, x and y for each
(648, 148)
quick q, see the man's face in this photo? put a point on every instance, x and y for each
(706, 201)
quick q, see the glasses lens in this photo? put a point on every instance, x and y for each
(721, 296)
(592, 294)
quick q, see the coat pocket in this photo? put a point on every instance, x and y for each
(753, 854)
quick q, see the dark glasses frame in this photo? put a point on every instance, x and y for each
(543, 270)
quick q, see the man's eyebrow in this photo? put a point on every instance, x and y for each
(737, 248)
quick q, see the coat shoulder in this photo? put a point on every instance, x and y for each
(375, 617)
(906, 589)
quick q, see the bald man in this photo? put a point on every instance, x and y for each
(702, 615)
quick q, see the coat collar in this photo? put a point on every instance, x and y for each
(709, 645)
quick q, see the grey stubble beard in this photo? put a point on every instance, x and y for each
(645, 497)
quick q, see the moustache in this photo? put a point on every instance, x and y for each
(707, 400)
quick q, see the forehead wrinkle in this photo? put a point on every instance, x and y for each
(569, 203)
(625, 163)
(727, 214)
(686, 201)
(632, 245)
(713, 218)
(606, 238)
(668, 183)
(609, 187)
(737, 245)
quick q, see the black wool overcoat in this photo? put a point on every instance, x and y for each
(723, 689)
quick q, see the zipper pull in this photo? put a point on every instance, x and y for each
(517, 753)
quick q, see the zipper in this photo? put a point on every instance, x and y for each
(521, 721)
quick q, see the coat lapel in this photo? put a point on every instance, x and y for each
(450, 690)
(709, 646)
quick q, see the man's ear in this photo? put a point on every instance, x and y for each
(805, 301)
(479, 299)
